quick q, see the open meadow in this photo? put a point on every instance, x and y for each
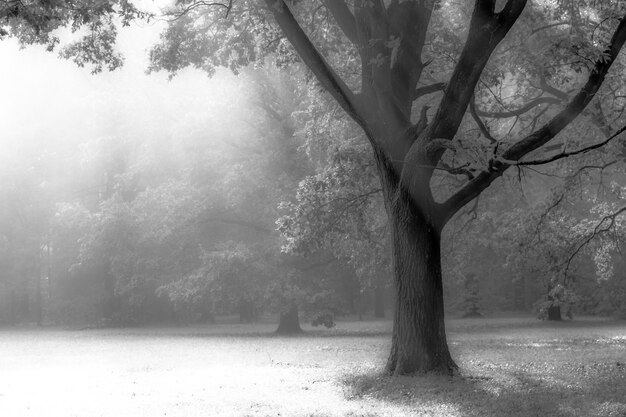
(508, 367)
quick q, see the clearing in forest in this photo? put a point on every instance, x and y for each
(512, 367)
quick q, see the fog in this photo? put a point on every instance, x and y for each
(255, 228)
(51, 103)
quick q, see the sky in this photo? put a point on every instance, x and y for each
(50, 104)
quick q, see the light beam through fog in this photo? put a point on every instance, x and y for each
(162, 240)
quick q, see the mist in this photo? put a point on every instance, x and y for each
(312, 208)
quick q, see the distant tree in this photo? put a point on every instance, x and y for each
(471, 302)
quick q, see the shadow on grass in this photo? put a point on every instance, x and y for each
(500, 393)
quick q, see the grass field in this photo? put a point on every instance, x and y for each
(509, 367)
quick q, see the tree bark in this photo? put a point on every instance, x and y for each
(289, 321)
(419, 339)
(554, 313)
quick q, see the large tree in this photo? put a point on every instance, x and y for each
(381, 60)
(390, 38)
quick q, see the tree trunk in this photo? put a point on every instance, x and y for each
(419, 337)
(554, 313)
(289, 321)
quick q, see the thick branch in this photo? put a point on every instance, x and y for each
(314, 60)
(429, 89)
(344, 18)
(551, 90)
(486, 31)
(543, 135)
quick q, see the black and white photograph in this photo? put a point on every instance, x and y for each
(312, 208)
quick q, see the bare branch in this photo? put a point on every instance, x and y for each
(598, 230)
(543, 84)
(520, 111)
(200, 3)
(479, 122)
(568, 154)
(600, 167)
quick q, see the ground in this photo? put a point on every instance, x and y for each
(508, 367)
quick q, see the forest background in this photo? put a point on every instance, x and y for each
(129, 199)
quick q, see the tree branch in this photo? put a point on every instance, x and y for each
(596, 231)
(518, 112)
(543, 135)
(344, 18)
(429, 89)
(543, 84)
(480, 123)
(315, 61)
(600, 167)
(195, 4)
(460, 170)
(486, 31)
(568, 154)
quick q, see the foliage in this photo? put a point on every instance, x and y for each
(340, 207)
(95, 23)
(558, 296)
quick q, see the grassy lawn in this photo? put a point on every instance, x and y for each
(509, 367)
